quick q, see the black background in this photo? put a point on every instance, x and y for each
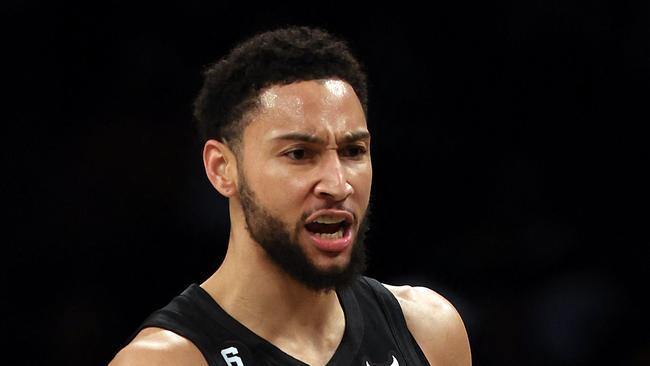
(507, 148)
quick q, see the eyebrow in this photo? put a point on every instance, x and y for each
(348, 137)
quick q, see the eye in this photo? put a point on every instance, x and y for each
(298, 154)
(354, 151)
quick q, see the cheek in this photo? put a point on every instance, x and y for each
(361, 180)
(280, 188)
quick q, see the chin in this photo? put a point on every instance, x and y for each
(331, 264)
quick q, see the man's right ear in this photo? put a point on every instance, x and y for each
(220, 167)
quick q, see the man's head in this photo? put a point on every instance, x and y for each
(232, 85)
(293, 153)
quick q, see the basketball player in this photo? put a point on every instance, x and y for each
(286, 141)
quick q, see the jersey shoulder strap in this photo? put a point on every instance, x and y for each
(187, 318)
(396, 321)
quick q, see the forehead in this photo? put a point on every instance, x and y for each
(314, 106)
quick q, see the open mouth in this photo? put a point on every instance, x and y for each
(327, 228)
(330, 230)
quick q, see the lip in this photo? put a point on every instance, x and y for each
(345, 215)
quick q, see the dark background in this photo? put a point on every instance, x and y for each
(508, 162)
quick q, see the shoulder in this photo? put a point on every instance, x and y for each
(435, 324)
(156, 346)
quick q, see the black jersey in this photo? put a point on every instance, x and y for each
(375, 330)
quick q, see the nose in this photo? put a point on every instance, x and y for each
(333, 179)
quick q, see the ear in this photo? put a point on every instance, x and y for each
(220, 167)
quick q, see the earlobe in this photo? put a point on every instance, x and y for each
(220, 167)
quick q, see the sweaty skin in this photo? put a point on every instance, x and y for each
(306, 149)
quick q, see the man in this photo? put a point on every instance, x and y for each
(284, 118)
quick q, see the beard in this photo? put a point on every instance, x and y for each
(282, 246)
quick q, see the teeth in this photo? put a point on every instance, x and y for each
(336, 235)
(329, 220)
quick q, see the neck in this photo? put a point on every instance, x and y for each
(262, 297)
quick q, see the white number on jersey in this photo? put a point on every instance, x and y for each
(230, 355)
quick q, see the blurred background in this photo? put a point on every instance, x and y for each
(508, 156)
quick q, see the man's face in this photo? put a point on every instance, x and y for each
(305, 178)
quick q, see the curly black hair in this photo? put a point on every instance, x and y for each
(233, 84)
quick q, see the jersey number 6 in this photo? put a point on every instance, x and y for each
(230, 355)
